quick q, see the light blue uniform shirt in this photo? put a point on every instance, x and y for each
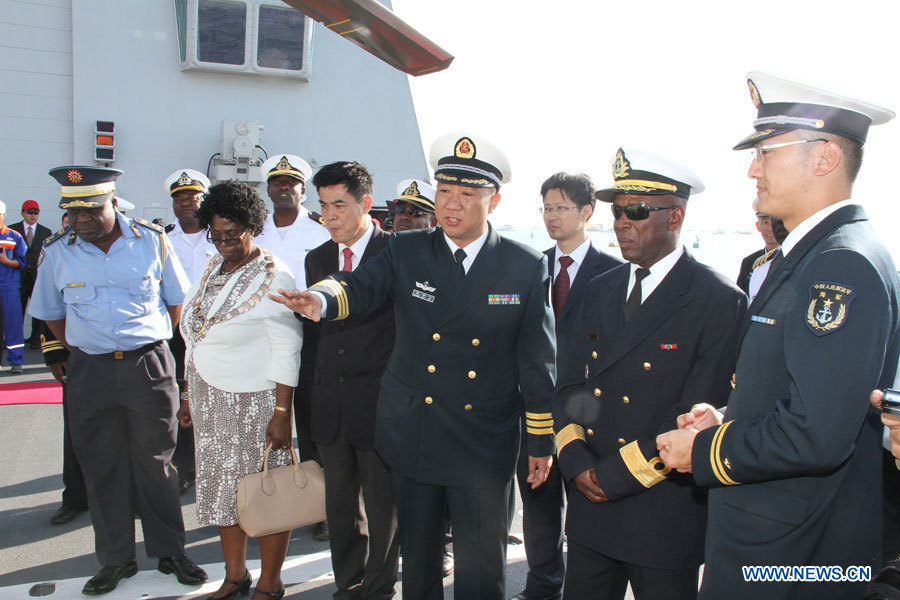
(111, 301)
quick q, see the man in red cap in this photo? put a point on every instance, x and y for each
(34, 234)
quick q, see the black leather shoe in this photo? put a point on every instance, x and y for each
(64, 514)
(523, 595)
(240, 587)
(186, 571)
(108, 578)
(321, 532)
(447, 565)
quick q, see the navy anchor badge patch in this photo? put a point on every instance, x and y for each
(829, 304)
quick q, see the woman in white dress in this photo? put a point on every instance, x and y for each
(242, 364)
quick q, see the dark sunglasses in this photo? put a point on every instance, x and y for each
(409, 211)
(32, 211)
(637, 212)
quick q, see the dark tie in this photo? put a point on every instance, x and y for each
(460, 256)
(561, 285)
(348, 259)
(29, 236)
(633, 303)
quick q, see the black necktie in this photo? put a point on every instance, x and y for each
(460, 256)
(633, 303)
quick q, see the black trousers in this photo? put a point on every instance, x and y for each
(594, 576)
(359, 503)
(891, 492)
(122, 417)
(183, 459)
(542, 524)
(303, 393)
(480, 529)
(27, 286)
(74, 493)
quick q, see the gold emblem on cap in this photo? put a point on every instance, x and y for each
(620, 166)
(74, 175)
(283, 165)
(819, 124)
(412, 190)
(185, 179)
(754, 93)
(464, 148)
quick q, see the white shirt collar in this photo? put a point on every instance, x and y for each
(577, 255)
(359, 246)
(807, 225)
(472, 249)
(658, 272)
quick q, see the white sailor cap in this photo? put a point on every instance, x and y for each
(641, 172)
(124, 204)
(416, 192)
(186, 179)
(785, 105)
(286, 164)
(473, 161)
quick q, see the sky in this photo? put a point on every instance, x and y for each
(561, 85)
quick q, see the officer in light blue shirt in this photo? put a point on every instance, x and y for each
(111, 287)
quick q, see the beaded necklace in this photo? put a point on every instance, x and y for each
(200, 324)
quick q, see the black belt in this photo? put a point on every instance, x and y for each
(121, 354)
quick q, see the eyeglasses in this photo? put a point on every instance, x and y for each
(552, 210)
(636, 212)
(405, 209)
(228, 241)
(32, 211)
(758, 152)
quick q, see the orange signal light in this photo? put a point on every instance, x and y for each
(105, 140)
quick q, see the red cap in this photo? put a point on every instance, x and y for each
(30, 204)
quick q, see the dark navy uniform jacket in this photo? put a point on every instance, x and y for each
(471, 355)
(797, 463)
(623, 384)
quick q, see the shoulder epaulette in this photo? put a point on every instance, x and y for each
(764, 258)
(58, 235)
(170, 227)
(149, 225)
(316, 217)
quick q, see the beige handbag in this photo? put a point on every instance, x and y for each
(281, 499)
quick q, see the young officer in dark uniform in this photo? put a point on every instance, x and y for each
(796, 466)
(110, 288)
(653, 335)
(474, 350)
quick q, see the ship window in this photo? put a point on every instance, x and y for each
(257, 37)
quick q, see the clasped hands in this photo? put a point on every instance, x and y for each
(675, 446)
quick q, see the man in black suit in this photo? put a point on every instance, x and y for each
(751, 261)
(653, 335)
(474, 350)
(34, 234)
(350, 359)
(796, 468)
(568, 203)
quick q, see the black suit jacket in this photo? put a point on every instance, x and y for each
(350, 358)
(595, 263)
(797, 464)
(34, 250)
(743, 280)
(471, 354)
(622, 385)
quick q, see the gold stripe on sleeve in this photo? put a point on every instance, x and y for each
(640, 468)
(569, 434)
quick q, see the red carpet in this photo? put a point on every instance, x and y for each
(42, 392)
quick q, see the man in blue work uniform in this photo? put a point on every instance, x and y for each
(110, 288)
(12, 260)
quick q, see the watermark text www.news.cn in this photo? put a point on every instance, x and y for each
(806, 573)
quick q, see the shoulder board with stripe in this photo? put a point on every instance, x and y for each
(764, 258)
(58, 235)
(314, 216)
(170, 227)
(149, 225)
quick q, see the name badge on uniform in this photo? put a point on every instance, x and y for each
(422, 296)
(497, 299)
(763, 320)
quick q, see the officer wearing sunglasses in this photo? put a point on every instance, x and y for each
(655, 334)
(414, 206)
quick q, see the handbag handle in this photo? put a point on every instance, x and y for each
(266, 481)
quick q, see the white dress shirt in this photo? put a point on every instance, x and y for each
(192, 249)
(358, 248)
(658, 272)
(292, 243)
(798, 232)
(577, 255)
(471, 250)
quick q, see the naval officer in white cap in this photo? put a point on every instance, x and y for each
(474, 350)
(794, 465)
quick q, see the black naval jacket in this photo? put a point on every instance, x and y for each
(797, 463)
(350, 358)
(471, 354)
(622, 385)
